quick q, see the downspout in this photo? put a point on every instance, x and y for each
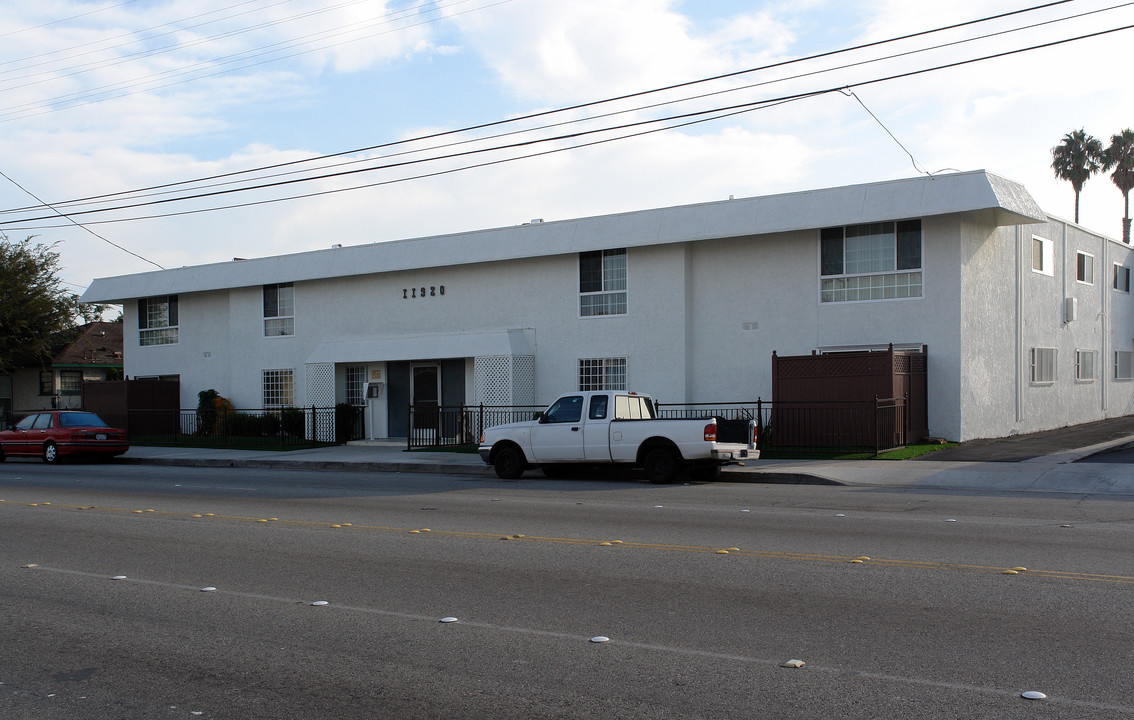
(1019, 323)
(1104, 378)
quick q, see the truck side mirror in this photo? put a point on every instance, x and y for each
(541, 416)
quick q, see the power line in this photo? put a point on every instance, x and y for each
(721, 112)
(87, 97)
(144, 192)
(571, 108)
(73, 222)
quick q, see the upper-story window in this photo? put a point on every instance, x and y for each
(279, 309)
(602, 283)
(1043, 256)
(157, 320)
(876, 261)
(1085, 268)
(1121, 278)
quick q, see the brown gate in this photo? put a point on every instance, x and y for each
(888, 385)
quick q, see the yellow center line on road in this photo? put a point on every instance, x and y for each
(614, 545)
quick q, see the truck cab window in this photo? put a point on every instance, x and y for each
(566, 410)
(598, 407)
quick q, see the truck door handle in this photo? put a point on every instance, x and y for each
(574, 429)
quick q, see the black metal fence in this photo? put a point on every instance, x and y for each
(866, 425)
(272, 429)
(460, 425)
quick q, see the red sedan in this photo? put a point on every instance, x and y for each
(54, 434)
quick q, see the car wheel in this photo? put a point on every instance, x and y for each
(50, 453)
(660, 465)
(509, 463)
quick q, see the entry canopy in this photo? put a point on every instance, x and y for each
(425, 347)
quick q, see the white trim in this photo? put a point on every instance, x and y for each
(920, 197)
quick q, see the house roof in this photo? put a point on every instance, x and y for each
(93, 344)
(98, 343)
(1010, 203)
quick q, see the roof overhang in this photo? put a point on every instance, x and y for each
(920, 197)
(437, 346)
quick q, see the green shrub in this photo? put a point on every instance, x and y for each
(294, 422)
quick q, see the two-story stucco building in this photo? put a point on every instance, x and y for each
(1028, 319)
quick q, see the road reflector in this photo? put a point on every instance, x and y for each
(793, 664)
(208, 589)
(600, 639)
(1020, 569)
(1011, 572)
(320, 603)
(722, 552)
(1033, 695)
(448, 620)
(118, 577)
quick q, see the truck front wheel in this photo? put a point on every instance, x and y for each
(509, 463)
(660, 465)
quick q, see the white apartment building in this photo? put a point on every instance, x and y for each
(1028, 319)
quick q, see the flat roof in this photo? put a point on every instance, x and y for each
(848, 205)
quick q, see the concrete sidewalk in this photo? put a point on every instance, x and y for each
(1063, 471)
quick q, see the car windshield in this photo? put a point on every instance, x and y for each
(80, 419)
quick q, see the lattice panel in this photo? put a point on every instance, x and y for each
(523, 380)
(321, 394)
(492, 380)
(504, 380)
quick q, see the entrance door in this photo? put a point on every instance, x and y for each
(425, 397)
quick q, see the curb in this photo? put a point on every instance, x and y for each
(772, 478)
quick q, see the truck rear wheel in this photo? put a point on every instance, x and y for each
(661, 466)
(509, 463)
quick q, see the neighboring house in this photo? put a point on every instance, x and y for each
(86, 353)
(1028, 319)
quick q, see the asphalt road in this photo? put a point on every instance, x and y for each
(928, 626)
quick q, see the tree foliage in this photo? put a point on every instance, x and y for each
(33, 304)
(1119, 157)
(1075, 159)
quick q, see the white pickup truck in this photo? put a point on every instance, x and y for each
(592, 428)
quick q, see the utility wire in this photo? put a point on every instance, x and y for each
(73, 222)
(143, 193)
(67, 19)
(88, 97)
(723, 112)
(571, 108)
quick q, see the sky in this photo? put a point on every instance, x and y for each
(102, 97)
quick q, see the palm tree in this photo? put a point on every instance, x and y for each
(1075, 159)
(1120, 157)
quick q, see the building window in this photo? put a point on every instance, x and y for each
(1043, 259)
(1123, 365)
(1121, 278)
(157, 320)
(1085, 268)
(602, 283)
(279, 388)
(279, 309)
(46, 382)
(1086, 365)
(1043, 365)
(70, 382)
(877, 261)
(602, 374)
(355, 382)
